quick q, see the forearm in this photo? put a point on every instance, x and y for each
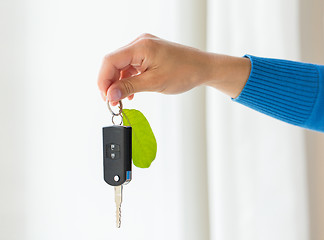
(289, 91)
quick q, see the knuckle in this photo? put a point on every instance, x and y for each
(145, 35)
(107, 57)
(129, 87)
(147, 42)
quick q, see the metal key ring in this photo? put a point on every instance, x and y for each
(121, 119)
(120, 109)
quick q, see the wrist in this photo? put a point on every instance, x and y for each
(227, 74)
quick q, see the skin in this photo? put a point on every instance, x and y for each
(156, 65)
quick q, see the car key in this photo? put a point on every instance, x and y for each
(117, 157)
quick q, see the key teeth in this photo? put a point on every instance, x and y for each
(118, 213)
(118, 201)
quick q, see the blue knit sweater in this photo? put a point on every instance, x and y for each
(289, 91)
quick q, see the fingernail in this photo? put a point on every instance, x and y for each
(114, 95)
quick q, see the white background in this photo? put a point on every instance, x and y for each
(222, 171)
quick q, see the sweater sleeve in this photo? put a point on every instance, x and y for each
(289, 91)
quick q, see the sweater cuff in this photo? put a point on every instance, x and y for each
(282, 89)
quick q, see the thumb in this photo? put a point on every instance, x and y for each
(126, 87)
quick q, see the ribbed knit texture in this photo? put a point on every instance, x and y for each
(286, 90)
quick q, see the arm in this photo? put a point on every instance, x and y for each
(290, 91)
(152, 64)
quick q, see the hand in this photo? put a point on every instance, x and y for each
(152, 64)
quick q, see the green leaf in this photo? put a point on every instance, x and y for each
(143, 140)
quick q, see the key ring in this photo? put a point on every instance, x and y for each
(120, 108)
(116, 114)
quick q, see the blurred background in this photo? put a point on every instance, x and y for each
(222, 172)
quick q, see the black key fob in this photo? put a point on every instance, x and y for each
(117, 154)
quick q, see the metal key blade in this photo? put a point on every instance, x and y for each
(118, 200)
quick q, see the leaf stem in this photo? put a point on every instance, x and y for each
(126, 118)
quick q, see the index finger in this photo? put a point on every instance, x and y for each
(111, 66)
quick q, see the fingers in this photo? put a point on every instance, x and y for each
(113, 66)
(130, 97)
(129, 72)
(123, 63)
(128, 86)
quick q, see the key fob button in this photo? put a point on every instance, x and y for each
(114, 155)
(114, 147)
